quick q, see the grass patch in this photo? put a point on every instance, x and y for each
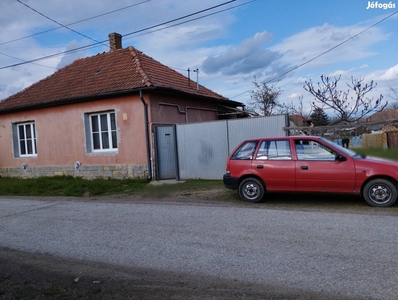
(185, 188)
(199, 185)
(383, 153)
(68, 186)
(78, 187)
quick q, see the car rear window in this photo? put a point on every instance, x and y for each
(245, 151)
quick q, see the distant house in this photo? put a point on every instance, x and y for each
(95, 117)
(384, 115)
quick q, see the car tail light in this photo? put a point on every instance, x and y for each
(227, 167)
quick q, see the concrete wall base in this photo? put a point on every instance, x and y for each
(117, 171)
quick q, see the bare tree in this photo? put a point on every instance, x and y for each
(294, 109)
(347, 108)
(393, 94)
(264, 99)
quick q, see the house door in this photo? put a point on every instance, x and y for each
(166, 152)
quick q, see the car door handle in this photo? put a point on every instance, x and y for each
(304, 167)
(260, 167)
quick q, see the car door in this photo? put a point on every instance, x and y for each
(318, 170)
(274, 164)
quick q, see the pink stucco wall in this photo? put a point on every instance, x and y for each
(61, 134)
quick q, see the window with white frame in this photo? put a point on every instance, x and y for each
(24, 135)
(103, 132)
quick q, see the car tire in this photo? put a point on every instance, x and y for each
(251, 190)
(380, 193)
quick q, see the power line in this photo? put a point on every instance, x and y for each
(323, 53)
(73, 23)
(180, 18)
(191, 20)
(24, 60)
(95, 44)
(64, 26)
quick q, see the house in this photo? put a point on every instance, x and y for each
(96, 116)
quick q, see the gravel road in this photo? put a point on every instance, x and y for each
(325, 254)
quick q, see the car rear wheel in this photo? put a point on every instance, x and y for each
(380, 193)
(251, 190)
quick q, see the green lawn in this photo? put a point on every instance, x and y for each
(70, 186)
(384, 153)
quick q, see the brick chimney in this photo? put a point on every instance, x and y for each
(115, 41)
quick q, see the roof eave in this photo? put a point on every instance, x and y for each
(221, 100)
(73, 100)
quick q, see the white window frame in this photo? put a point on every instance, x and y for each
(29, 138)
(103, 137)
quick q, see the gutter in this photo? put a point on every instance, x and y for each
(148, 145)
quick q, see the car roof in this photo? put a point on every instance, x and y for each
(303, 137)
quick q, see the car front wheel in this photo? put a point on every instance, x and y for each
(251, 190)
(380, 193)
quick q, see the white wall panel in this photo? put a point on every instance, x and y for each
(202, 150)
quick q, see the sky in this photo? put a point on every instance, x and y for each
(283, 43)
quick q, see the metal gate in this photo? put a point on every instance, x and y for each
(166, 152)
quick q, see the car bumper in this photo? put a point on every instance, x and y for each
(230, 182)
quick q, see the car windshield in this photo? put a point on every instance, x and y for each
(341, 149)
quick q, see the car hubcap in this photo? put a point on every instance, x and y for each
(251, 190)
(380, 194)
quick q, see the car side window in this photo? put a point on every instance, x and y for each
(312, 150)
(246, 151)
(274, 150)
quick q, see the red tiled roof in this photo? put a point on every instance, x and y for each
(106, 73)
(298, 120)
(384, 115)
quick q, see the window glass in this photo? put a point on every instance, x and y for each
(28, 131)
(94, 123)
(245, 151)
(114, 139)
(274, 150)
(22, 148)
(105, 140)
(21, 130)
(113, 121)
(104, 122)
(96, 141)
(312, 150)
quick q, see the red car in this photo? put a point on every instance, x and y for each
(308, 164)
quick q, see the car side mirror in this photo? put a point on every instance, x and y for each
(340, 157)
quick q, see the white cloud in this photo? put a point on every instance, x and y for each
(390, 74)
(300, 80)
(245, 58)
(343, 73)
(69, 58)
(293, 95)
(310, 43)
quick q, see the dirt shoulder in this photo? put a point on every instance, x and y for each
(39, 276)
